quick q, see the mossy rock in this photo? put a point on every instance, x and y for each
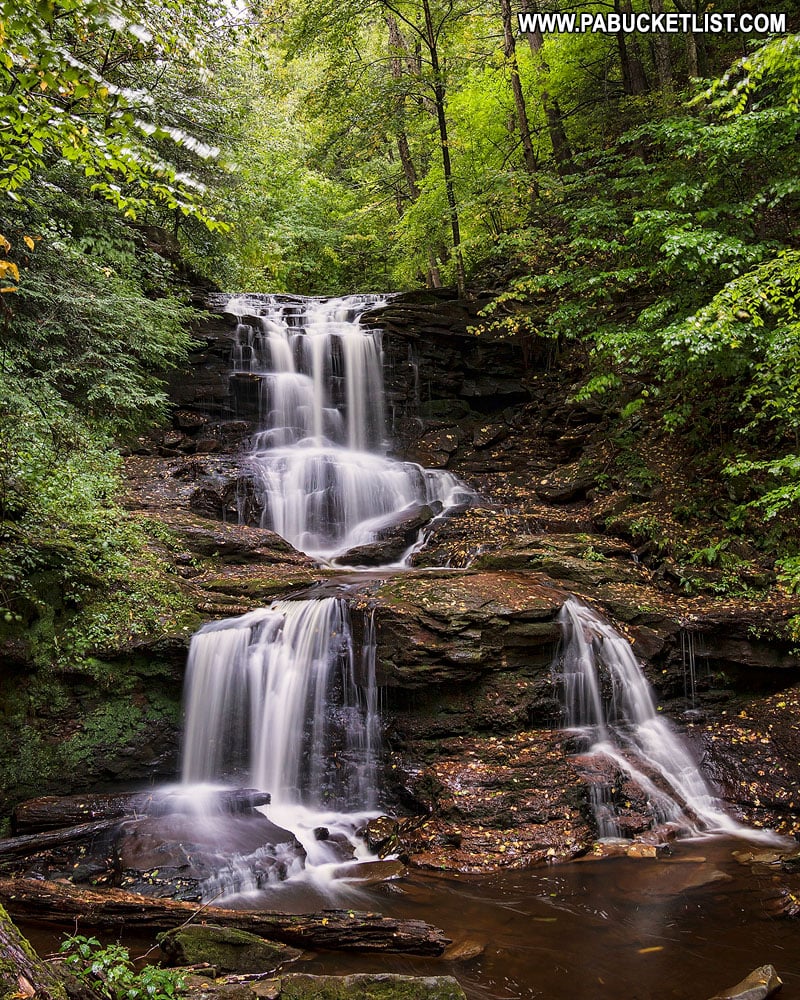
(227, 949)
(370, 987)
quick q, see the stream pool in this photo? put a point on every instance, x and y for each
(684, 927)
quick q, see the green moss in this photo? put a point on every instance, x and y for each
(225, 948)
(370, 987)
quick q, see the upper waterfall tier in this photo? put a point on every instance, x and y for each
(319, 461)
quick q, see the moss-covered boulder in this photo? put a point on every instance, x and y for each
(370, 987)
(224, 948)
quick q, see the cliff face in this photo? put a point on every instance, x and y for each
(464, 654)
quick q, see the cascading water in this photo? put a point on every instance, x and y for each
(319, 463)
(279, 699)
(608, 701)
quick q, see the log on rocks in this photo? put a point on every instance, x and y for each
(347, 930)
(51, 812)
(33, 843)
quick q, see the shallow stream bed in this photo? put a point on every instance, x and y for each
(641, 929)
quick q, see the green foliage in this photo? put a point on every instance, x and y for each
(64, 94)
(94, 330)
(789, 573)
(110, 972)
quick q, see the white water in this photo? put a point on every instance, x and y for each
(609, 701)
(279, 700)
(319, 462)
(261, 705)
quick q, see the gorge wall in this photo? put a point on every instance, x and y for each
(463, 658)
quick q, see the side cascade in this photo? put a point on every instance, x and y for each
(319, 461)
(281, 700)
(608, 702)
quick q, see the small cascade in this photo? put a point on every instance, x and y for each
(280, 700)
(608, 701)
(322, 476)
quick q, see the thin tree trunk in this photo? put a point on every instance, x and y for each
(510, 50)
(441, 118)
(662, 54)
(634, 81)
(555, 120)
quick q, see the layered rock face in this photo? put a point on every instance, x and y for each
(467, 636)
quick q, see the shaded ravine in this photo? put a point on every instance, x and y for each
(274, 699)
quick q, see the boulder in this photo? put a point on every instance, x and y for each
(762, 982)
(490, 433)
(392, 536)
(382, 986)
(567, 484)
(188, 420)
(224, 948)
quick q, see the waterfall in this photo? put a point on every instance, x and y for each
(319, 460)
(278, 699)
(608, 700)
(281, 700)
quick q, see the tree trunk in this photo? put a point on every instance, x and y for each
(33, 843)
(662, 54)
(634, 81)
(22, 973)
(444, 142)
(347, 930)
(510, 50)
(555, 120)
(691, 56)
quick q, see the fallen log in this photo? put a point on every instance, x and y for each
(337, 930)
(51, 812)
(34, 843)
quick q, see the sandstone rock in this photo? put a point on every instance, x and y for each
(392, 536)
(380, 834)
(189, 420)
(566, 484)
(235, 543)
(489, 433)
(372, 872)
(173, 439)
(761, 983)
